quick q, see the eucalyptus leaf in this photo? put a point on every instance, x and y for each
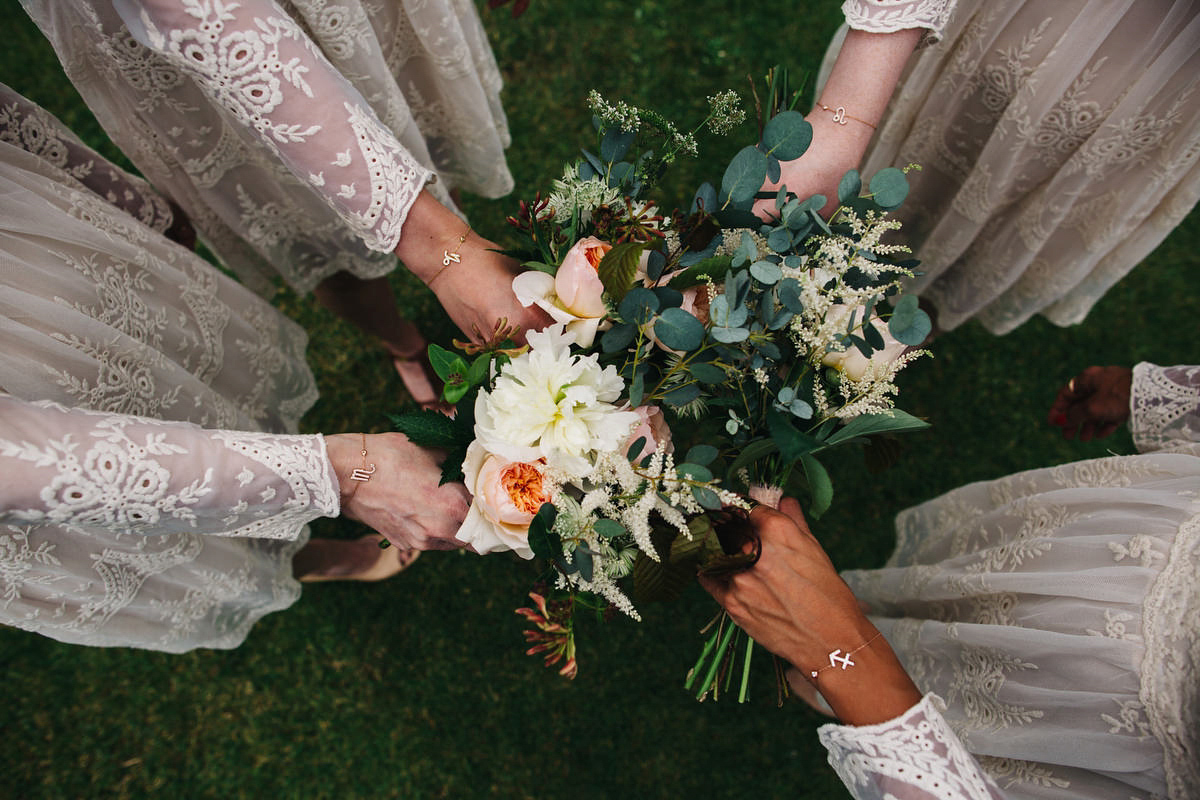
(636, 448)
(682, 395)
(750, 453)
(792, 443)
(637, 388)
(595, 163)
(787, 135)
(705, 198)
(789, 295)
(618, 337)
(801, 409)
(707, 373)
(780, 240)
(695, 472)
(639, 306)
(766, 272)
(668, 297)
(679, 330)
(702, 454)
(707, 498)
(655, 264)
(849, 186)
(889, 187)
(616, 144)
(746, 251)
(744, 175)
(696, 273)
(608, 528)
(909, 324)
(774, 169)
(781, 199)
(729, 335)
(620, 173)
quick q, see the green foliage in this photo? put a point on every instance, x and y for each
(618, 267)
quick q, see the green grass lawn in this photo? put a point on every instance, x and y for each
(419, 687)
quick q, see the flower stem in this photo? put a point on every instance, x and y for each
(718, 656)
(746, 670)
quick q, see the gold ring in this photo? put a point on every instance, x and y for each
(1071, 386)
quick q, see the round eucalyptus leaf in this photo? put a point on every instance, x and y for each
(744, 176)
(729, 335)
(608, 528)
(618, 337)
(707, 498)
(705, 198)
(707, 373)
(679, 330)
(656, 262)
(702, 454)
(849, 186)
(774, 169)
(779, 240)
(615, 144)
(682, 395)
(668, 297)
(638, 306)
(915, 332)
(767, 273)
(889, 187)
(696, 472)
(787, 135)
(801, 409)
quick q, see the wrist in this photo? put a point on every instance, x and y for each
(874, 687)
(344, 451)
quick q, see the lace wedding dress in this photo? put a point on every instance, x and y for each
(1057, 611)
(1058, 140)
(295, 134)
(116, 528)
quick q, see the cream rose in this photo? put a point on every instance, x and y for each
(505, 496)
(850, 362)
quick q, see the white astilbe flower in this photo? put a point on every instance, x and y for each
(732, 240)
(571, 193)
(549, 404)
(874, 392)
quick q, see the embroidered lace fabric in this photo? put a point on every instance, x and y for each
(295, 135)
(889, 16)
(1059, 143)
(1056, 612)
(117, 529)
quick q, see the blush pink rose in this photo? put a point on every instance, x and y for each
(653, 426)
(850, 362)
(577, 282)
(505, 497)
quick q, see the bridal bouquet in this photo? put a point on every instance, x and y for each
(695, 357)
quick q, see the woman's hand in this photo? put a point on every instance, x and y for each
(476, 290)
(1094, 403)
(835, 150)
(402, 499)
(795, 604)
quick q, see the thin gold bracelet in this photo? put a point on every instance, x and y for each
(837, 659)
(840, 116)
(450, 256)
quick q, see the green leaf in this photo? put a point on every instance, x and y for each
(583, 561)
(820, 487)
(696, 274)
(751, 452)
(446, 362)
(746, 251)
(707, 498)
(682, 395)
(766, 272)
(789, 295)
(695, 472)
(617, 268)
(729, 335)
(618, 337)
(780, 240)
(608, 528)
(849, 186)
(787, 135)
(679, 330)
(707, 373)
(654, 580)
(539, 266)
(432, 429)
(909, 324)
(542, 539)
(637, 388)
(889, 187)
(705, 198)
(453, 392)
(635, 449)
(615, 144)
(868, 424)
(638, 306)
(791, 442)
(703, 454)
(744, 176)
(478, 372)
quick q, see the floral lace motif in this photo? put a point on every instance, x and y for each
(889, 16)
(917, 750)
(1165, 405)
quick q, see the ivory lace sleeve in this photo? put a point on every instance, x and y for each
(889, 16)
(257, 64)
(912, 757)
(127, 474)
(1164, 406)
